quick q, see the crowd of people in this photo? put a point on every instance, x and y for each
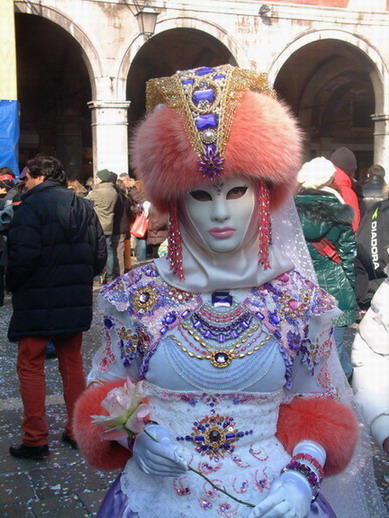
(217, 380)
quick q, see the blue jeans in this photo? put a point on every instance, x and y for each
(339, 333)
(110, 264)
(140, 249)
(110, 259)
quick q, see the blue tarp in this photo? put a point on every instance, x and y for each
(9, 135)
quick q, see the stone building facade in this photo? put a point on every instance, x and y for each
(82, 67)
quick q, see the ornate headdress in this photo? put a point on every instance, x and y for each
(211, 123)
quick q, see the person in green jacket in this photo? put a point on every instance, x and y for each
(326, 223)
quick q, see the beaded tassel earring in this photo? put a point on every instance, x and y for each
(174, 244)
(264, 230)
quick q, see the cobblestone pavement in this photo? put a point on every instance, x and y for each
(64, 485)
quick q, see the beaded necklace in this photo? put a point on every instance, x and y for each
(229, 328)
(220, 358)
(239, 377)
(231, 345)
(222, 329)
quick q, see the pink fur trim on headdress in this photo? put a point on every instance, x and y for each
(100, 454)
(264, 143)
(325, 421)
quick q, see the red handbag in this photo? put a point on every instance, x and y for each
(140, 226)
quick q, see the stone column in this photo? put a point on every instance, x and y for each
(381, 141)
(110, 135)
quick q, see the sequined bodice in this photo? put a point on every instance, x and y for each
(235, 338)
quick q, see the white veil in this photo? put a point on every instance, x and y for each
(353, 492)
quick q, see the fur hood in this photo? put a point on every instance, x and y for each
(321, 208)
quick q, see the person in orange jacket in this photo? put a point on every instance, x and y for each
(346, 164)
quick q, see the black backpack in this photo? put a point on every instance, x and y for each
(373, 240)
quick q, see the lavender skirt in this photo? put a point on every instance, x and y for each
(115, 505)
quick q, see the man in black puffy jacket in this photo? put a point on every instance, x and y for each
(56, 245)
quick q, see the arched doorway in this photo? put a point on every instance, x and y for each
(327, 83)
(53, 90)
(164, 54)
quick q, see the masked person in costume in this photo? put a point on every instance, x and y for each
(228, 341)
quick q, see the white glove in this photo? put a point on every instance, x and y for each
(161, 456)
(290, 496)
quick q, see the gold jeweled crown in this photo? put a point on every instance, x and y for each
(206, 99)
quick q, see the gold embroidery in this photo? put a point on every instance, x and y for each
(226, 85)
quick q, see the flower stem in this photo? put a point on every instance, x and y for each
(209, 481)
(219, 488)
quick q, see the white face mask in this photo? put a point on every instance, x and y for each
(221, 213)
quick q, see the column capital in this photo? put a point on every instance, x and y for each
(116, 105)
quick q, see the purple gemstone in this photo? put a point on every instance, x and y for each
(144, 297)
(221, 338)
(108, 323)
(274, 319)
(214, 436)
(244, 324)
(221, 298)
(187, 81)
(230, 436)
(210, 120)
(221, 358)
(203, 95)
(185, 314)
(259, 315)
(277, 334)
(207, 333)
(211, 148)
(197, 324)
(204, 70)
(170, 318)
(234, 334)
(199, 438)
(163, 330)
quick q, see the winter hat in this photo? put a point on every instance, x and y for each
(212, 123)
(316, 174)
(209, 124)
(345, 159)
(23, 174)
(104, 175)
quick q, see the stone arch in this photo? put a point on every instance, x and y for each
(378, 73)
(89, 53)
(167, 24)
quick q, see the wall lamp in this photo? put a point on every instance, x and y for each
(147, 19)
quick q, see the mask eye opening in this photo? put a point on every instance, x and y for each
(200, 195)
(237, 192)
